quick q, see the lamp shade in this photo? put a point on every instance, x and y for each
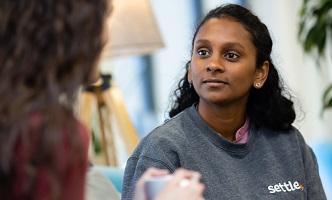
(133, 29)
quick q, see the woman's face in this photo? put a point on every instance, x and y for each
(223, 62)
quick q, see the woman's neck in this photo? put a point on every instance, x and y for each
(224, 120)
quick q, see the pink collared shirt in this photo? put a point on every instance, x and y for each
(242, 134)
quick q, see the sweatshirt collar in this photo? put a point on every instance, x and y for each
(217, 139)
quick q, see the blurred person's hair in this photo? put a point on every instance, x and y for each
(47, 50)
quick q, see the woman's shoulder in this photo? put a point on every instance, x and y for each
(292, 136)
(168, 135)
(69, 125)
(292, 131)
(171, 128)
(83, 133)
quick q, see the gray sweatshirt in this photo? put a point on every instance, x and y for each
(271, 165)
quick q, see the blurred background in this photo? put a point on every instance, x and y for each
(146, 81)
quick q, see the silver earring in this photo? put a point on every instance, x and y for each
(257, 84)
(190, 80)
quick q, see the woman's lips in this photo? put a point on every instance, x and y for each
(215, 81)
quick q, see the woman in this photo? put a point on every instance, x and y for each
(232, 119)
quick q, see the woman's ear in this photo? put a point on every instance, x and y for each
(261, 75)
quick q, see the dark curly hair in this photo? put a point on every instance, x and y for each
(47, 50)
(271, 105)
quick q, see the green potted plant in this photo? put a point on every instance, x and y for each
(314, 30)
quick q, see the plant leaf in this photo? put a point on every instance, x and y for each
(315, 36)
(301, 28)
(327, 99)
(311, 38)
(321, 41)
(323, 8)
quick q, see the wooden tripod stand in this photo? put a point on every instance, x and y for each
(110, 108)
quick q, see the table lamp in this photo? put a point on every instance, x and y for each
(133, 29)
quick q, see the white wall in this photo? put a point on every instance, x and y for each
(176, 22)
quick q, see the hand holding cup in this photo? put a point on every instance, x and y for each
(182, 184)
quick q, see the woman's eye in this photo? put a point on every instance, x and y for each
(203, 52)
(231, 55)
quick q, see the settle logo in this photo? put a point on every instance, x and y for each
(285, 187)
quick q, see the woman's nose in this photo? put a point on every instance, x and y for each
(214, 66)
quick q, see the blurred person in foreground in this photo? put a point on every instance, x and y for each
(48, 50)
